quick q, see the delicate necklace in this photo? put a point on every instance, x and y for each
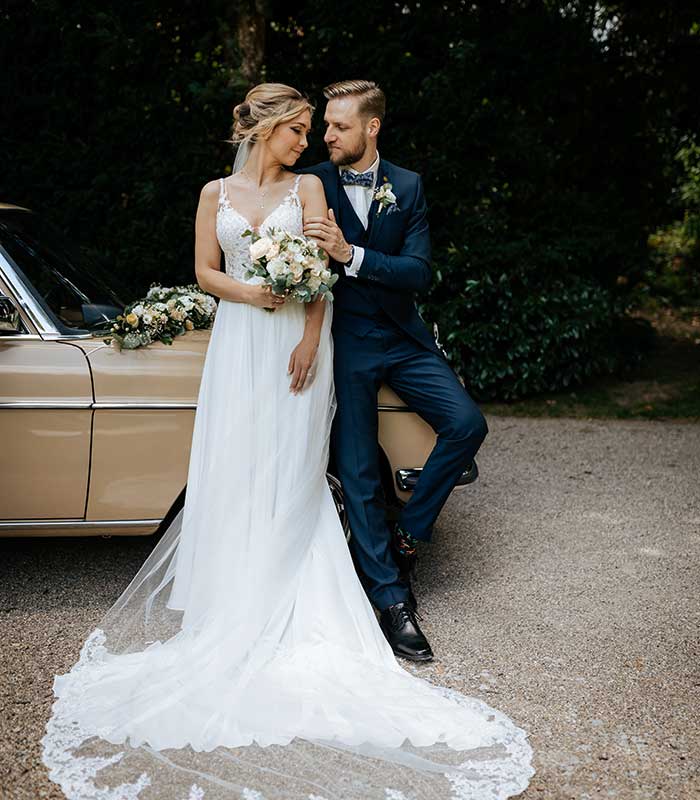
(257, 191)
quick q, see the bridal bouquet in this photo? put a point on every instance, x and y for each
(165, 312)
(290, 265)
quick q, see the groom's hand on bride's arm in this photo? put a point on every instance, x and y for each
(408, 271)
(327, 233)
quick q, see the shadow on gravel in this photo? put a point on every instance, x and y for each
(47, 573)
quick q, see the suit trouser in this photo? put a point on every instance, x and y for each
(426, 383)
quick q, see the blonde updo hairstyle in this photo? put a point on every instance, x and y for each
(265, 107)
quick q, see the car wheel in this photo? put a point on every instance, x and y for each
(337, 494)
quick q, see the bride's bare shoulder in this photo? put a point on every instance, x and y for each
(310, 181)
(210, 191)
(311, 186)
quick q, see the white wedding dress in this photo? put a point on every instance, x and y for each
(244, 660)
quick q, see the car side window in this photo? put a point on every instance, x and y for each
(74, 298)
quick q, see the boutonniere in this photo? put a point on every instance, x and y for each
(385, 197)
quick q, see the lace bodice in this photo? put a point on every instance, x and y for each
(230, 225)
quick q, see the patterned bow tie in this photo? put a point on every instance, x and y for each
(348, 178)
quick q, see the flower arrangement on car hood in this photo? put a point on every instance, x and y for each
(291, 265)
(165, 312)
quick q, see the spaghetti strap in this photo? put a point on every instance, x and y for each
(294, 191)
(222, 191)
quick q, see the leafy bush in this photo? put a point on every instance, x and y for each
(522, 332)
(673, 274)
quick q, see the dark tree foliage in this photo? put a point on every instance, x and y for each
(545, 131)
(116, 115)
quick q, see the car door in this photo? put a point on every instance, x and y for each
(45, 423)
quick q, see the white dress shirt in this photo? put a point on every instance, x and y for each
(360, 198)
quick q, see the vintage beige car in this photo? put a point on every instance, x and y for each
(96, 441)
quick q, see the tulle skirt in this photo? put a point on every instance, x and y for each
(244, 659)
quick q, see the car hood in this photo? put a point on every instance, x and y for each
(159, 373)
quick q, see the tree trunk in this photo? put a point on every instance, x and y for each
(251, 39)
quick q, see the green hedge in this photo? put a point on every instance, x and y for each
(520, 333)
(545, 133)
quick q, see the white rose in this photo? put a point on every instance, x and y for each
(260, 248)
(277, 267)
(390, 196)
(297, 272)
(137, 309)
(314, 282)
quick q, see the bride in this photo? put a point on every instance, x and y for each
(244, 659)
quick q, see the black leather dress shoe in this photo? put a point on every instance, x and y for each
(400, 626)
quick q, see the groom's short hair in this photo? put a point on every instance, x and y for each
(372, 99)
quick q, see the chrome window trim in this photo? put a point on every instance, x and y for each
(47, 337)
(33, 310)
(68, 337)
(47, 330)
(25, 524)
(393, 408)
(12, 337)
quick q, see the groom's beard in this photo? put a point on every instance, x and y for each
(341, 158)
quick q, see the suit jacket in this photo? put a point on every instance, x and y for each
(396, 263)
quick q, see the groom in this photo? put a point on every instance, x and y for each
(377, 236)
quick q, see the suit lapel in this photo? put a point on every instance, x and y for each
(349, 215)
(350, 223)
(375, 221)
(331, 185)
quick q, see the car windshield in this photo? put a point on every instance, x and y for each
(76, 295)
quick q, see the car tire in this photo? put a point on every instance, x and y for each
(338, 498)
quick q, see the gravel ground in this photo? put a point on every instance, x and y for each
(561, 588)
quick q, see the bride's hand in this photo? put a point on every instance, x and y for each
(301, 363)
(262, 297)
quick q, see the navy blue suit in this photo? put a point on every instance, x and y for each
(380, 337)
